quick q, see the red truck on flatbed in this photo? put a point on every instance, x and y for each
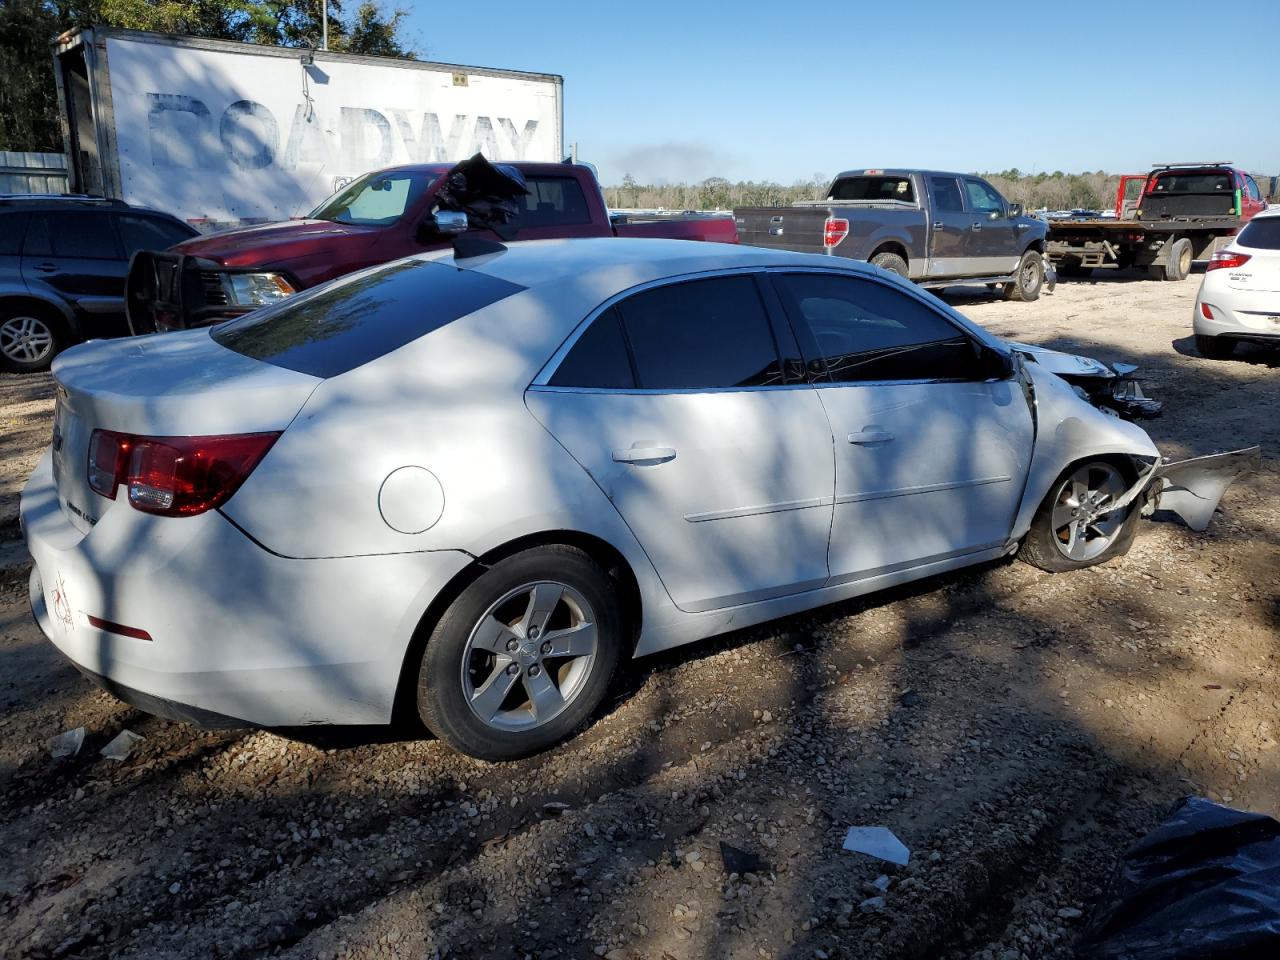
(377, 218)
(1164, 220)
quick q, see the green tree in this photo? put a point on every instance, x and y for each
(28, 106)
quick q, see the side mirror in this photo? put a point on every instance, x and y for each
(1015, 210)
(995, 365)
(446, 223)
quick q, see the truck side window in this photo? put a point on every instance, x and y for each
(982, 198)
(864, 331)
(946, 194)
(1252, 187)
(553, 202)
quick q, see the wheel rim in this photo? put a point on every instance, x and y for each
(25, 339)
(529, 656)
(1080, 528)
(1030, 274)
(1184, 260)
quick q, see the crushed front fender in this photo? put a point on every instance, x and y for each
(1192, 488)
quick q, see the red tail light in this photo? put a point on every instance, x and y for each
(834, 230)
(174, 476)
(1205, 311)
(1228, 259)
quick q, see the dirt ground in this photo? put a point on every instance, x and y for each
(1016, 729)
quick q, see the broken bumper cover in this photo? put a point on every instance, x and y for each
(1113, 389)
(1190, 488)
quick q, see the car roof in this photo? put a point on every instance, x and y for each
(609, 265)
(1272, 211)
(53, 201)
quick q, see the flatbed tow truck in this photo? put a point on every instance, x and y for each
(1164, 220)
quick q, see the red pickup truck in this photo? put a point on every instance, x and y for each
(376, 218)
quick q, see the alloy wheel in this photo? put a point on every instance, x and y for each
(529, 656)
(1081, 528)
(25, 339)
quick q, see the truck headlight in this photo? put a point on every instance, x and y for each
(256, 289)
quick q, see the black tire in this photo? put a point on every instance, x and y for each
(1214, 348)
(30, 337)
(1042, 546)
(444, 702)
(1029, 278)
(891, 262)
(1179, 265)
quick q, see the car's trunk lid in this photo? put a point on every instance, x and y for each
(180, 384)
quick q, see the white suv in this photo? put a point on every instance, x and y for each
(1239, 298)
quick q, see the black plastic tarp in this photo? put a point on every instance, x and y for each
(1205, 884)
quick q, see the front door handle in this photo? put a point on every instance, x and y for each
(644, 456)
(976, 227)
(939, 225)
(870, 436)
(46, 267)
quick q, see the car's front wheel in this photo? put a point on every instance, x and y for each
(523, 656)
(1028, 279)
(1074, 527)
(29, 339)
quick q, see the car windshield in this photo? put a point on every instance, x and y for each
(376, 199)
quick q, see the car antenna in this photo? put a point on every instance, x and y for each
(464, 248)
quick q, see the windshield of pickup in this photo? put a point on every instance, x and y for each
(880, 188)
(1199, 181)
(376, 199)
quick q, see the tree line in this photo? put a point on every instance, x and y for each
(28, 102)
(1056, 191)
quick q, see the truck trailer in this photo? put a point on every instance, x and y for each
(224, 134)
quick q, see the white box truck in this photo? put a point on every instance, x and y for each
(224, 134)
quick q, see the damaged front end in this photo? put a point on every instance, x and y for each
(1190, 488)
(1112, 389)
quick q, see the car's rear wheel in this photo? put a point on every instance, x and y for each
(523, 656)
(29, 339)
(1073, 528)
(891, 262)
(1028, 279)
(1214, 348)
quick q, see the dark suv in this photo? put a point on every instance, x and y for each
(63, 261)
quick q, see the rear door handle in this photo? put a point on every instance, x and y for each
(46, 267)
(870, 436)
(976, 226)
(939, 225)
(645, 456)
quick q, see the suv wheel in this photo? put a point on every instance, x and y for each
(29, 340)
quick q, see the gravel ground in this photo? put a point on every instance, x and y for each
(1016, 730)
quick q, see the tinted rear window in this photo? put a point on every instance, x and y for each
(343, 327)
(1261, 233)
(1211, 182)
(873, 188)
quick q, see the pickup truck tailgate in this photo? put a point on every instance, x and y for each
(782, 228)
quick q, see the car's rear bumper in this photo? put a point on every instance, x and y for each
(234, 633)
(1237, 315)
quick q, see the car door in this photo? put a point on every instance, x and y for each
(675, 400)
(948, 229)
(932, 444)
(77, 255)
(992, 245)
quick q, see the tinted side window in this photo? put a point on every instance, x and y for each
(12, 226)
(701, 334)
(946, 194)
(149, 233)
(599, 359)
(1251, 186)
(553, 201)
(865, 331)
(88, 235)
(37, 242)
(982, 198)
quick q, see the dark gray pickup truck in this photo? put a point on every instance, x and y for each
(932, 227)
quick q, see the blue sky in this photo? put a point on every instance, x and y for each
(751, 90)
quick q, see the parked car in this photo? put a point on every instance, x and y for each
(936, 228)
(383, 216)
(471, 485)
(1239, 298)
(63, 261)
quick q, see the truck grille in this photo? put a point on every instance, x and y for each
(211, 285)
